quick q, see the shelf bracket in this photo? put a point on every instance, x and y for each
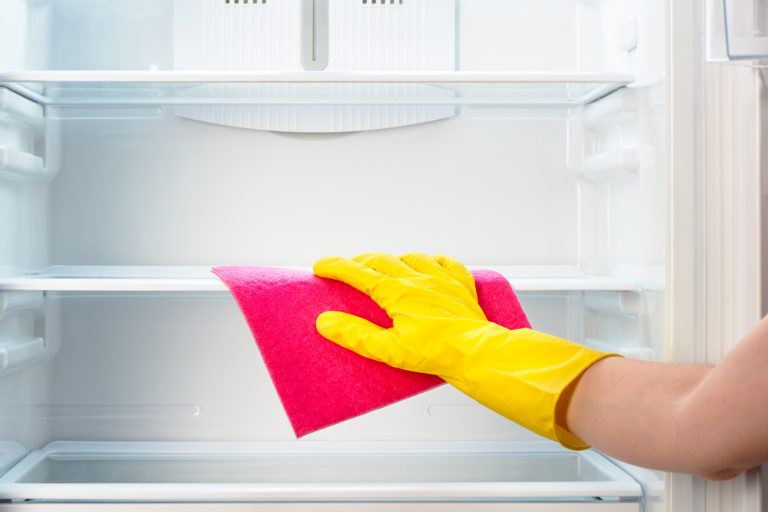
(616, 164)
(16, 353)
(21, 166)
(19, 110)
(11, 302)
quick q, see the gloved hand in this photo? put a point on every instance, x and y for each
(439, 328)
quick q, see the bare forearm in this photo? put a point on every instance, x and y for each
(630, 410)
(728, 411)
(711, 421)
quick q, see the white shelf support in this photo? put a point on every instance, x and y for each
(11, 302)
(622, 303)
(612, 165)
(21, 166)
(21, 111)
(624, 104)
(14, 354)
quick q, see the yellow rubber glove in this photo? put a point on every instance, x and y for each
(439, 328)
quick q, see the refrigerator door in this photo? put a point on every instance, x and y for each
(717, 269)
(737, 30)
(716, 264)
(732, 269)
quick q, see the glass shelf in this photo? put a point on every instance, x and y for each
(147, 88)
(313, 471)
(200, 279)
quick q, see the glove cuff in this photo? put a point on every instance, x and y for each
(527, 376)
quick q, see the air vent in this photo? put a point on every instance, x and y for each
(251, 2)
(317, 35)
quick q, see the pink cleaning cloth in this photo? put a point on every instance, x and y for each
(321, 383)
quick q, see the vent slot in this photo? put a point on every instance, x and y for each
(245, 2)
(382, 2)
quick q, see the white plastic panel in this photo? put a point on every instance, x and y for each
(23, 246)
(24, 32)
(324, 118)
(21, 129)
(417, 35)
(480, 35)
(22, 195)
(217, 35)
(172, 192)
(120, 34)
(139, 34)
(211, 35)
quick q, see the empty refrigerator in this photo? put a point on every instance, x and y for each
(143, 142)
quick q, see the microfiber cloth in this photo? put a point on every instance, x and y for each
(320, 383)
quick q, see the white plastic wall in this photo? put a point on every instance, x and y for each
(177, 192)
(550, 35)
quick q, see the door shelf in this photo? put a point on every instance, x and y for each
(146, 88)
(201, 279)
(315, 471)
(737, 31)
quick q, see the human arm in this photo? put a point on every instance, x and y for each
(697, 419)
(700, 419)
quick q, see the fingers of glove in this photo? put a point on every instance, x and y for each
(458, 271)
(356, 275)
(452, 286)
(358, 334)
(424, 264)
(386, 264)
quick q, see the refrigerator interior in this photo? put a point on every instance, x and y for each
(144, 141)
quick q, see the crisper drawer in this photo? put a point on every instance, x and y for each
(320, 475)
